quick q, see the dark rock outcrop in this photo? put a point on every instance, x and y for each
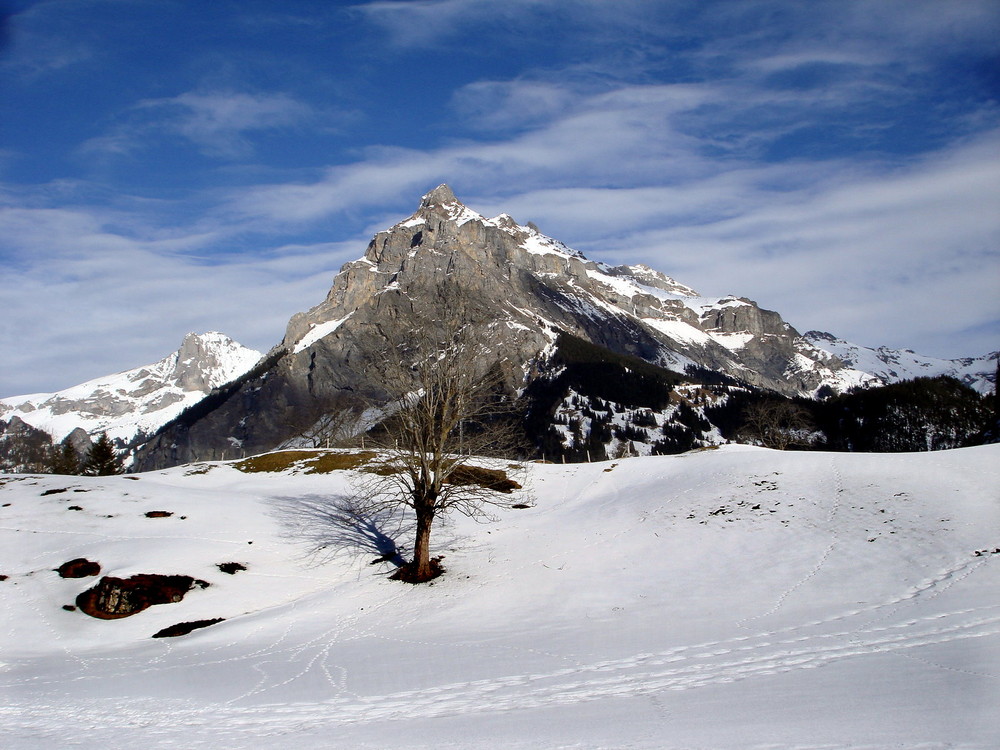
(183, 628)
(113, 598)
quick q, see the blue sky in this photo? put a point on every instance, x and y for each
(170, 166)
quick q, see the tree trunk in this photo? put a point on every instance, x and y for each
(422, 546)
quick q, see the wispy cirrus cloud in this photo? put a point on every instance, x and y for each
(29, 52)
(220, 124)
(87, 286)
(887, 256)
(831, 160)
(833, 244)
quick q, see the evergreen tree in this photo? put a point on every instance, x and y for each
(996, 394)
(102, 459)
(65, 460)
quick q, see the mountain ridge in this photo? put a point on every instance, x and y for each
(138, 400)
(521, 288)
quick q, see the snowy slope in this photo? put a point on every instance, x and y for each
(894, 365)
(137, 400)
(730, 598)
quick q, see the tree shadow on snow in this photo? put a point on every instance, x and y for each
(330, 525)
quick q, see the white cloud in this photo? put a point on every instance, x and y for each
(906, 259)
(220, 123)
(898, 250)
(82, 299)
(834, 244)
(504, 105)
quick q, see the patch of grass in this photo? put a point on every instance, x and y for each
(327, 462)
(311, 462)
(272, 461)
(490, 479)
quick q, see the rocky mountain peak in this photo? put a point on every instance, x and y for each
(208, 360)
(523, 286)
(519, 290)
(442, 195)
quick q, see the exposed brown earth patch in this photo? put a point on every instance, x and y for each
(408, 573)
(80, 567)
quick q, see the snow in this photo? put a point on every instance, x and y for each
(623, 287)
(893, 365)
(679, 331)
(462, 214)
(319, 331)
(141, 399)
(733, 341)
(731, 598)
(540, 245)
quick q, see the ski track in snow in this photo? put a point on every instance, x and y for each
(838, 485)
(903, 625)
(679, 668)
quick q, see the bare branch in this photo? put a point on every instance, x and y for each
(449, 427)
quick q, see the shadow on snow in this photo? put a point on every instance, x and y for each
(332, 524)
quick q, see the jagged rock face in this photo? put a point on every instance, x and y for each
(522, 287)
(530, 286)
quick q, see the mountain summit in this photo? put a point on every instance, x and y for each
(522, 289)
(526, 297)
(441, 195)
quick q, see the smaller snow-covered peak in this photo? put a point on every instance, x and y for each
(816, 336)
(141, 399)
(209, 360)
(892, 365)
(534, 241)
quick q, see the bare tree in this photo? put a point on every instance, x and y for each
(775, 423)
(448, 416)
(329, 424)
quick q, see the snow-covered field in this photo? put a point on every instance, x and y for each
(730, 598)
